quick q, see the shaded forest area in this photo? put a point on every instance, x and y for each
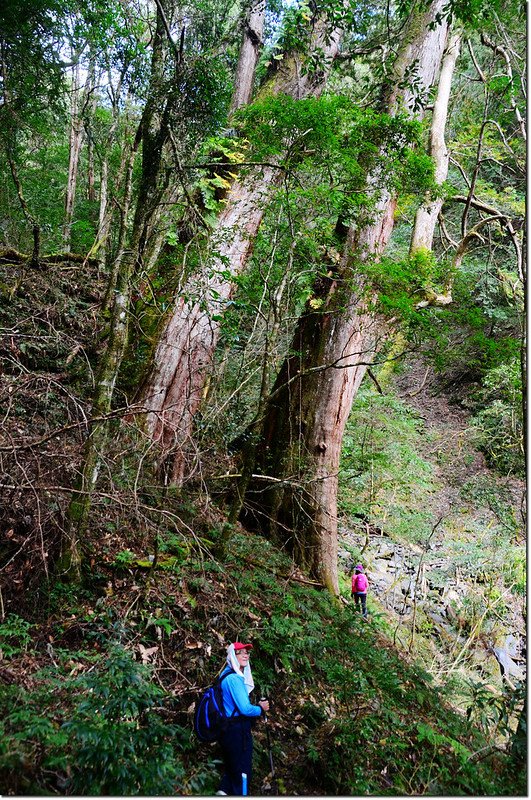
(262, 294)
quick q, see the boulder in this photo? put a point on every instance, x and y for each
(407, 587)
(436, 617)
(385, 550)
(507, 665)
(451, 596)
(512, 645)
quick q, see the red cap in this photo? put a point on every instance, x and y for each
(240, 646)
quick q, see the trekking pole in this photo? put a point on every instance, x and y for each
(268, 736)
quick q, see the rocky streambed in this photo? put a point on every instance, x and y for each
(423, 591)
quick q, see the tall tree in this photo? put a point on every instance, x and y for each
(176, 85)
(152, 133)
(185, 350)
(428, 212)
(250, 49)
(80, 95)
(294, 496)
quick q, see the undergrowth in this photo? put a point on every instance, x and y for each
(102, 701)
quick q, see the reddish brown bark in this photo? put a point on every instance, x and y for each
(304, 424)
(173, 392)
(185, 350)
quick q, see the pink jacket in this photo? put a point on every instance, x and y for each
(360, 583)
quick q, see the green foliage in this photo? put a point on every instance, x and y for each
(120, 744)
(14, 635)
(498, 424)
(472, 12)
(213, 184)
(402, 283)
(30, 34)
(380, 457)
(31, 740)
(351, 141)
(103, 734)
(125, 558)
(494, 712)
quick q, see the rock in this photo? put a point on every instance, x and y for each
(507, 665)
(437, 618)
(512, 646)
(407, 587)
(452, 596)
(385, 551)
(379, 569)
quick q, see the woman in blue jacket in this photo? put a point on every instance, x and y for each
(236, 740)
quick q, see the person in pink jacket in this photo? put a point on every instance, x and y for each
(360, 584)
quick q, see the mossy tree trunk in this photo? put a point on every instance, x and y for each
(174, 391)
(294, 494)
(152, 133)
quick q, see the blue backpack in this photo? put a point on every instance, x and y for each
(210, 719)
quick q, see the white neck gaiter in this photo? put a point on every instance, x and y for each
(234, 663)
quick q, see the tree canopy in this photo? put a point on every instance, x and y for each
(262, 284)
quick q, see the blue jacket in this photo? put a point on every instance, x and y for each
(235, 696)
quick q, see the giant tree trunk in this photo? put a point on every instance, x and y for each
(184, 354)
(311, 400)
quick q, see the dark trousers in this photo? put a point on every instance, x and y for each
(237, 748)
(361, 601)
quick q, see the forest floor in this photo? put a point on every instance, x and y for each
(424, 392)
(98, 680)
(431, 586)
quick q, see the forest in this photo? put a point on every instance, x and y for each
(263, 319)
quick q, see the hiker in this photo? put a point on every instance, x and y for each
(236, 740)
(360, 584)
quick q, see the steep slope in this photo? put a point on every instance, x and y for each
(97, 680)
(349, 715)
(442, 536)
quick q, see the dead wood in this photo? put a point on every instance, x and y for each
(11, 256)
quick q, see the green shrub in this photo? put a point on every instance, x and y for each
(14, 635)
(33, 745)
(120, 744)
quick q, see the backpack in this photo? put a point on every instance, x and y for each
(210, 719)
(360, 583)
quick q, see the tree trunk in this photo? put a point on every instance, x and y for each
(173, 392)
(91, 184)
(312, 397)
(249, 54)
(428, 213)
(75, 143)
(120, 280)
(80, 504)
(35, 227)
(106, 212)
